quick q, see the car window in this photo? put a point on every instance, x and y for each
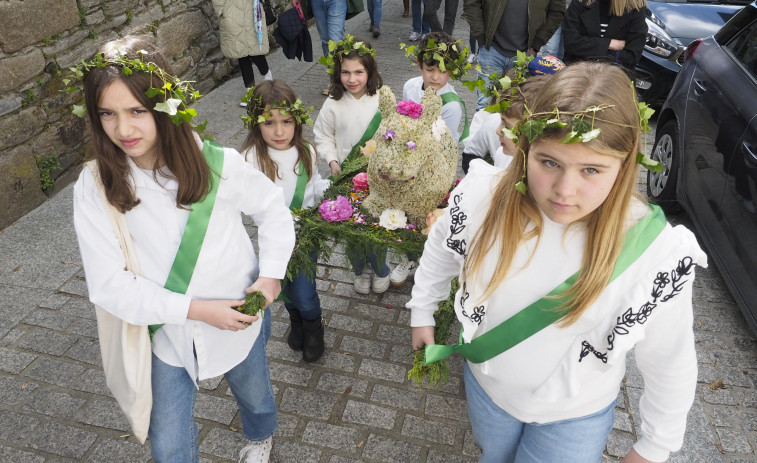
(744, 47)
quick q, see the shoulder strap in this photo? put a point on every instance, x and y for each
(299, 190)
(450, 97)
(197, 225)
(543, 312)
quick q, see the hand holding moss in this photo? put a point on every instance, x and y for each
(253, 303)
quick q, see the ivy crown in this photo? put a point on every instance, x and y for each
(450, 56)
(177, 94)
(339, 50)
(257, 112)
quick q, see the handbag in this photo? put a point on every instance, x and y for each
(354, 7)
(270, 16)
(125, 348)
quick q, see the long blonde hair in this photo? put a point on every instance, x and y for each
(573, 89)
(621, 7)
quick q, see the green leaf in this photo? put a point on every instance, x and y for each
(649, 163)
(170, 106)
(521, 187)
(152, 92)
(533, 128)
(591, 135)
(580, 125)
(79, 110)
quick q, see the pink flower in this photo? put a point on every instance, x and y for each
(410, 145)
(337, 210)
(360, 182)
(410, 108)
(389, 135)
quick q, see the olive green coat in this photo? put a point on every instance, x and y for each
(237, 24)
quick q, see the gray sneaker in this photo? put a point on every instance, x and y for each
(363, 283)
(256, 452)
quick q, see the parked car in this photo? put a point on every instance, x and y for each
(707, 142)
(672, 26)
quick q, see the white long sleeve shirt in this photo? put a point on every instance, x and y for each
(452, 112)
(562, 373)
(227, 263)
(286, 161)
(342, 123)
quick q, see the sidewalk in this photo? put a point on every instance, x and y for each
(353, 405)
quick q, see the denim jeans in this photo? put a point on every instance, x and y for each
(358, 258)
(374, 11)
(491, 60)
(504, 439)
(302, 292)
(173, 433)
(554, 45)
(450, 12)
(419, 25)
(329, 20)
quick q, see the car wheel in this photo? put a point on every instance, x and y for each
(661, 186)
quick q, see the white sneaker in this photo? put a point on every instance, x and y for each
(256, 452)
(363, 283)
(380, 284)
(472, 58)
(414, 36)
(268, 76)
(403, 270)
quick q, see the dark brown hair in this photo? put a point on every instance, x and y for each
(438, 37)
(272, 93)
(176, 145)
(336, 89)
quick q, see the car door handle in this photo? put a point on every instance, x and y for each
(700, 86)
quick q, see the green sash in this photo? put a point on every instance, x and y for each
(299, 190)
(370, 131)
(194, 233)
(543, 312)
(450, 97)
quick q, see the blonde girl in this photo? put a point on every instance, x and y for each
(275, 145)
(153, 171)
(559, 221)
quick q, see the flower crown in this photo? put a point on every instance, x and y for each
(581, 129)
(177, 94)
(338, 50)
(442, 53)
(297, 110)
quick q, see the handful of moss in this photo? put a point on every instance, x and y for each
(253, 303)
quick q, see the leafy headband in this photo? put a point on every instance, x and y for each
(177, 94)
(451, 56)
(338, 50)
(297, 110)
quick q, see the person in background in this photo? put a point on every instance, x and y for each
(374, 12)
(431, 7)
(420, 26)
(329, 20)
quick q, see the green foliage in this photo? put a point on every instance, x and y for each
(153, 26)
(452, 57)
(162, 6)
(177, 94)
(92, 35)
(50, 39)
(82, 18)
(29, 97)
(129, 15)
(47, 167)
(298, 110)
(253, 303)
(436, 373)
(337, 50)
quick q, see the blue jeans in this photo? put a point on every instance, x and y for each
(374, 11)
(302, 292)
(173, 433)
(329, 20)
(554, 45)
(504, 439)
(420, 26)
(491, 60)
(359, 258)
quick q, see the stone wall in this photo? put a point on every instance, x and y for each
(41, 141)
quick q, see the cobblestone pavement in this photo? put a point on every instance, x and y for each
(355, 404)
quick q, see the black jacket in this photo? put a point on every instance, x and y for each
(293, 36)
(580, 30)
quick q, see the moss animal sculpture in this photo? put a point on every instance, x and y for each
(415, 161)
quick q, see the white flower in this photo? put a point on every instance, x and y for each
(392, 219)
(437, 128)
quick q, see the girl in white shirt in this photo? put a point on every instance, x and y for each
(153, 170)
(276, 147)
(345, 118)
(564, 210)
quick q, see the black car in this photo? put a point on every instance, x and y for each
(707, 142)
(672, 26)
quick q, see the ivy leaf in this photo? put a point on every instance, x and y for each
(79, 110)
(201, 127)
(170, 106)
(509, 134)
(591, 135)
(152, 92)
(570, 138)
(521, 187)
(649, 163)
(533, 128)
(555, 123)
(580, 125)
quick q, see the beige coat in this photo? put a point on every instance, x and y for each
(238, 36)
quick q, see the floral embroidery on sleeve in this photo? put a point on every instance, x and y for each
(457, 226)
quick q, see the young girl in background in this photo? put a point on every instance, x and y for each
(275, 146)
(560, 252)
(350, 115)
(154, 172)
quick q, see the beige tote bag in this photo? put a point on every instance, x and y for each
(125, 348)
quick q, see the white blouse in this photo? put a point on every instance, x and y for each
(452, 113)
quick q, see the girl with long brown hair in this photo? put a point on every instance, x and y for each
(563, 269)
(157, 171)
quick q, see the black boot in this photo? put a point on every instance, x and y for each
(295, 338)
(313, 345)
